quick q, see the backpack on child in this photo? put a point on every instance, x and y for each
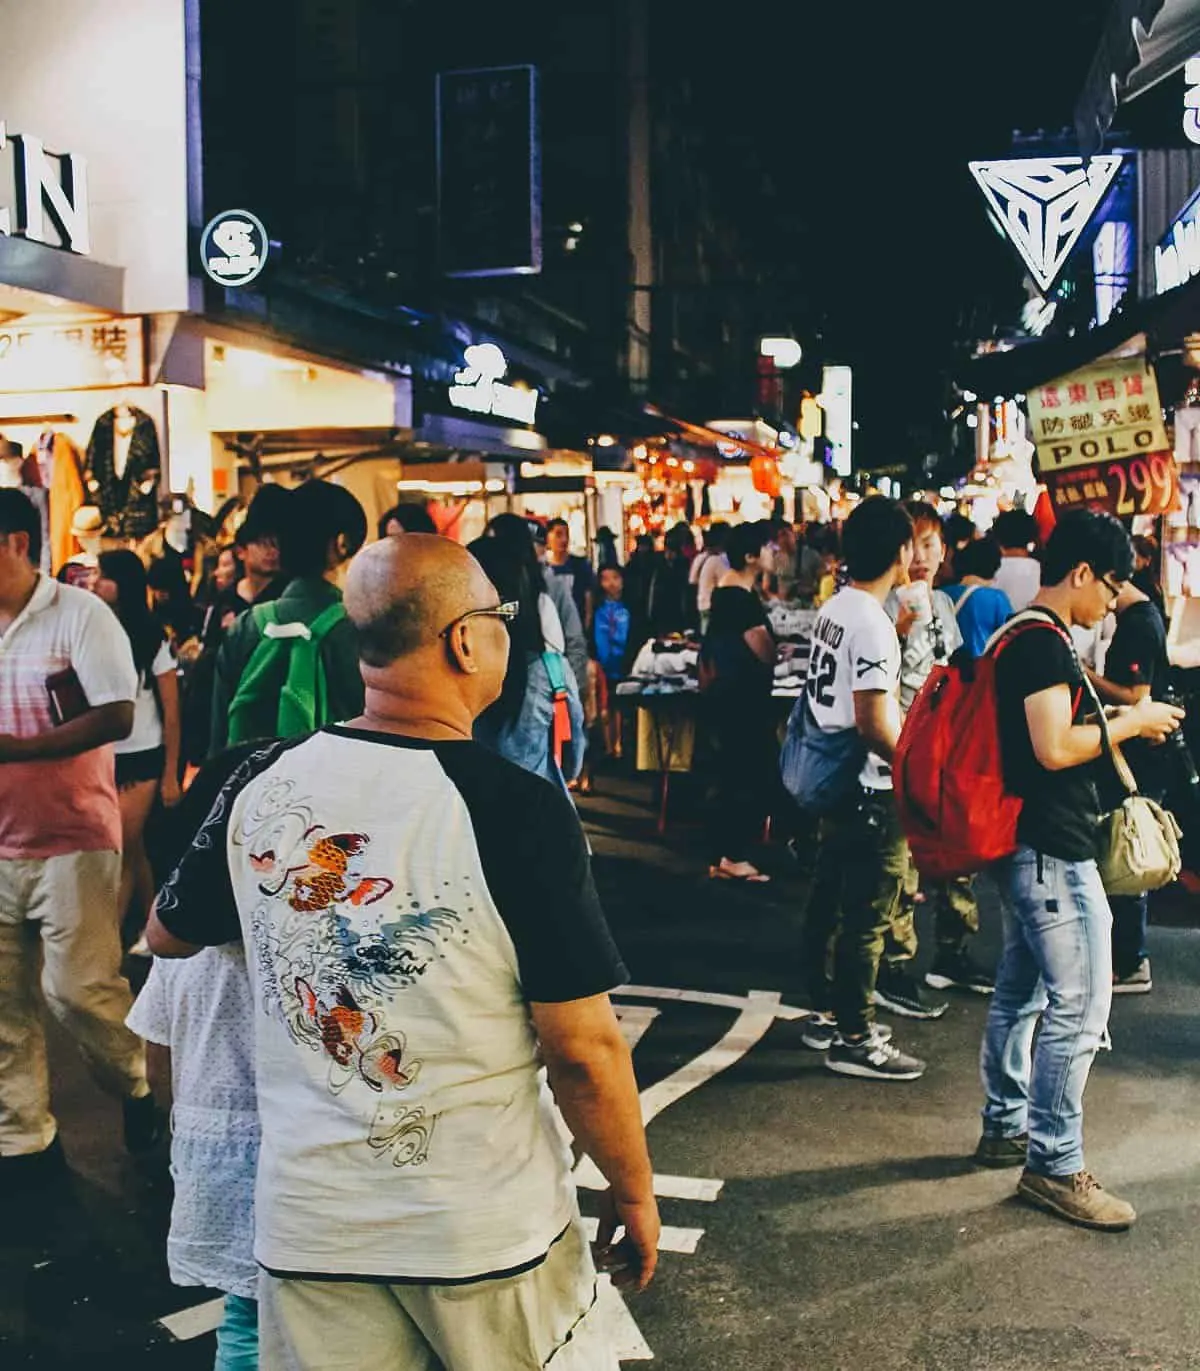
(948, 770)
(293, 650)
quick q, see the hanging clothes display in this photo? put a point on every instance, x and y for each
(123, 466)
(62, 475)
(15, 472)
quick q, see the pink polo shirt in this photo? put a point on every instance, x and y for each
(49, 808)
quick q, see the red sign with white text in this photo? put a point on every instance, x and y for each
(1124, 486)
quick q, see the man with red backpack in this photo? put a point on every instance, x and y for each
(1057, 960)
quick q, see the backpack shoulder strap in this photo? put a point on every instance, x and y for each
(327, 620)
(1018, 624)
(963, 598)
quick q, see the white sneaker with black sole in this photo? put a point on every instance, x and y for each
(1139, 982)
(872, 1059)
(820, 1031)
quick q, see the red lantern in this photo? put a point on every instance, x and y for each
(764, 472)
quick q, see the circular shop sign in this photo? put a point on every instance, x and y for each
(233, 248)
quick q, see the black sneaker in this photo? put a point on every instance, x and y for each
(899, 990)
(957, 970)
(997, 1152)
(145, 1125)
(820, 1031)
(872, 1058)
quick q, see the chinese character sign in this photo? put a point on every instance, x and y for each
(89, 354)
(1101, 442)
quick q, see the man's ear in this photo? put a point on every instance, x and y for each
(458, 645)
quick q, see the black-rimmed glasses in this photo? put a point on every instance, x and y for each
(507, 611)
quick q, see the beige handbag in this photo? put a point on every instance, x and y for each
(1139, 840)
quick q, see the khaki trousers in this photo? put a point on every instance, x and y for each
(60, 950)
(548, 1317)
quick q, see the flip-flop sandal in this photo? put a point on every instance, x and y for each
(717, 873)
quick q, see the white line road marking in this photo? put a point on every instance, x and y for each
(624, 1334)
(588, 1177)
(760, 1012)
(670, 1239)
(194, 1322)
(634, 1020)
(663, 992)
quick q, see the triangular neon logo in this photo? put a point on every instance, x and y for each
(1044, 204)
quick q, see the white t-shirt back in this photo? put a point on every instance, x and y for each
(1020, 578)
(147, 731)
(854, 648)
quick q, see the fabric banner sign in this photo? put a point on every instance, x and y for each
(1101, 441)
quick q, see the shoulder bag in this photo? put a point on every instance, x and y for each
(1139, 840)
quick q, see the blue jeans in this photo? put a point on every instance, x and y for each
(1057, 964)
(237, 1337)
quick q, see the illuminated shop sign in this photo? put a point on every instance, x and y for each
(479, 388)
(1177, 256)
(233, 248)
(51, 193)
(1043, 205)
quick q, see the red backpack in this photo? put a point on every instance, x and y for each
(948, 772)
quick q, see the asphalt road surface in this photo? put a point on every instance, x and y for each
(813, 1222)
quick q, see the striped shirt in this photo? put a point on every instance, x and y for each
(62, 804)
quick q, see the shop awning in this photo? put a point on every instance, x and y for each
(1165, 320)
(1143, 41)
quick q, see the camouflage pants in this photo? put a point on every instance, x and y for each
(956, 915)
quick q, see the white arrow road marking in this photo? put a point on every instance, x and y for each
(667, 992)
(634, 1019)
(624, 1334)
(194, 1322)
(670, 1239)
(761, 1009)
(665, 1187)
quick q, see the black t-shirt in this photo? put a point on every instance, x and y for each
(1137, 656)
(527, 835)
(1061, 812)
(739, 671)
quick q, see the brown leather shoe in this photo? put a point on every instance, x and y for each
(1079, 1199)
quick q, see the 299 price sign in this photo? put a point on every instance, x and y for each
(1101, 442)
(1123, 486)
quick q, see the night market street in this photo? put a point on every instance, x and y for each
(812, 1221)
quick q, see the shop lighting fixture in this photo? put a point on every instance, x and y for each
(444, 487)
(972, 420)
(495, 487)
(969, 396)
(784, 352)
(606, 440)
(575, 226)
(689, 466)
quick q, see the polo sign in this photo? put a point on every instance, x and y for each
(1101, 442)
(233, 248)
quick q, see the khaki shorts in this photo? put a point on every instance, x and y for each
(547, 1317)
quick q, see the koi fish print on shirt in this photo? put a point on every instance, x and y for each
(334, 949)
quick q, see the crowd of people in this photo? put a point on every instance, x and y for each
(376, 922)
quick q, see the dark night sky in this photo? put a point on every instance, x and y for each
(868, 115)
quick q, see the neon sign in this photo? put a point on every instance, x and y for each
(1043, 205)
(479, 387)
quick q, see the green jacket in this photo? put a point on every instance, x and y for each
(302, 600)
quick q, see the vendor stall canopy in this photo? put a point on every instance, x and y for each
(1143, 42)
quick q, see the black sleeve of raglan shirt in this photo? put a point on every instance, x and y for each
(536, 865)
(197, 903)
